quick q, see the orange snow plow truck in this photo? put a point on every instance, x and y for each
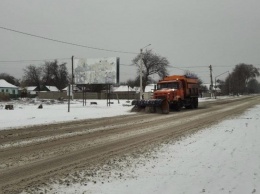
(172, 93)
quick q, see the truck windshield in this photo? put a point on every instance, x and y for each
(172, 85)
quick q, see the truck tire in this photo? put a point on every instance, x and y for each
(178, 106)
(192, 104)
(196, 103)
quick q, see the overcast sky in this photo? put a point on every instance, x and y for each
(190, 33)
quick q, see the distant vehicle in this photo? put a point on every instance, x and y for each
(172, 93)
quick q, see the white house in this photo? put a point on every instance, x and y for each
(123, 88)
(75, 89)
(52, 88)
(6, 87)
(31, 90)
(150, 88)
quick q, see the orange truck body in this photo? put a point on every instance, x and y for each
(179, 90)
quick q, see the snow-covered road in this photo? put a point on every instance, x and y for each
(222, 159)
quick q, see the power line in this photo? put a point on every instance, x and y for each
(32, 60)
(192, 66)
(177, 68)
(64, 42)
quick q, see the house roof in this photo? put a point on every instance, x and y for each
(208, 86)
(52, 88)
(31, 88)
(136, 89)
(149, 88)
(5, 84)
(123, 89)
(75, 88)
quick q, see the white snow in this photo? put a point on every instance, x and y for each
(224, 158)
(221, 159)
(26, 113)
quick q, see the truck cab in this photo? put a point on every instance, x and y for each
(169, 90)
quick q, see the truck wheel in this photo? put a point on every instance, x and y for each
(178, 106)
(192, 105)
(196, 103)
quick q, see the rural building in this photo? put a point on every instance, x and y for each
(8, 88)
(150, 88)
(75, 89)
(123, 88)
(32, 90)
(51, 89)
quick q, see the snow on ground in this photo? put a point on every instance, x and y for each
(224, 158)
(26, 111)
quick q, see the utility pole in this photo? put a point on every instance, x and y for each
(72, 81)
(211, 81)
(141, 71)
(229, 86)
(141, 74)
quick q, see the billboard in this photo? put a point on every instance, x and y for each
(96, 71)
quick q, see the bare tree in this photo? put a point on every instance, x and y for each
(153, 64)
(33, 76)
(240, 77)
(55, 74)
(63, 76)
(253, 86)
(132, 83)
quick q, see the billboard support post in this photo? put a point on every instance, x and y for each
(69, 99)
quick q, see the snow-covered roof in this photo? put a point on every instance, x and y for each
(75, 88)
(149, 88)
(115, 87)
(5, 84)
(123, 89)
(53, 88)
(30, 88)
(65, 89)
(136, 89)
(208, 86)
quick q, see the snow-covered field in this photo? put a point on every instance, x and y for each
(26, 111)
(224, 158)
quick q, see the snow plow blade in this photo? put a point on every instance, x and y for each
(152, 105)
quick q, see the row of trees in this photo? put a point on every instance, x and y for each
(50, 73)
(242, 80)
